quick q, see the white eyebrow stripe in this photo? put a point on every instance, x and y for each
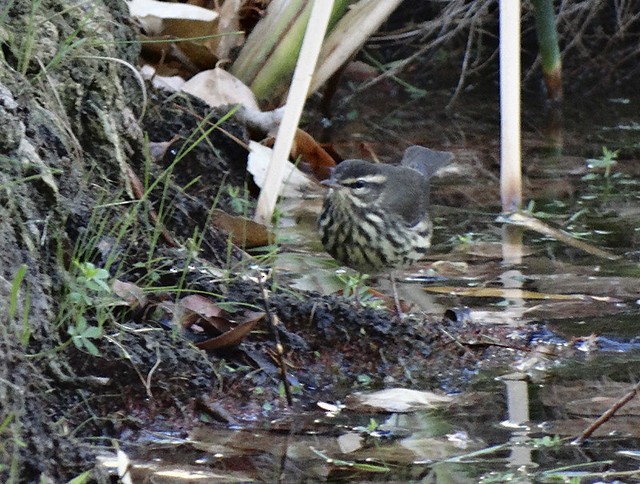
(375, 179)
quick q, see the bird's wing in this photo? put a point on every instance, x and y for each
(412, 207)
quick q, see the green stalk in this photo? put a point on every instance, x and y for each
(269, 55)
(549, 49)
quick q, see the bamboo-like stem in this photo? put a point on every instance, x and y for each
(316, 29)
(549, 49)
(510, 170)
(349, 34)
(267, 36)
(269, 55)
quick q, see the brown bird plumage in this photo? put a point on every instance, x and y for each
(376, 216)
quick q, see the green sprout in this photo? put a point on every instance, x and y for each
(81, 334)
(606, 161)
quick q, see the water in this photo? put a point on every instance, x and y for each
(516, 426)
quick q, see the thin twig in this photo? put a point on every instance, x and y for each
(147, 382)
(607, 415)
(273, 325)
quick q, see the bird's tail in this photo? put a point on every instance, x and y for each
(424, 160)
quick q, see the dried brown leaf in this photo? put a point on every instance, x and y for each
(132, 294)
(208, 315)
(243, 231)
(314, 156)
(232, 337)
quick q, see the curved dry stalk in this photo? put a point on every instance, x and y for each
(136, 74)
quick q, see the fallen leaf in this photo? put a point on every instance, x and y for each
(202, 305)
(154, 8)
(179, 34)
(132, 294)
(261, 122)
(312, 155)
(397, 400)
(124, 467)
(296, 183)
(244, 232)
(234, 336)
(203, 312)
(178, 57)
(228, 27)
(218, 87)
(329, 407)
(350, 442)
(152, 13)
(168, 83)
(158, 150)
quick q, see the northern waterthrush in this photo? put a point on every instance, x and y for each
(375, 217)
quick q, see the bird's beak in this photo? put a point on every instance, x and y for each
(330, 182)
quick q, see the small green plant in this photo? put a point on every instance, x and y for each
(354, 289)
(11, 445)
(91, 278)
(547, 441)
(606, 162)
(373, 425)
(15, 286)
(23, 47)
(240, 202)
(364, 380)
(88, 292)
(353, 284)
(372, 429)
(81, 334)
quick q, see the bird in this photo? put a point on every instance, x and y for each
(375, 216)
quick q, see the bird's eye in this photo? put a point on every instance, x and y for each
(358, 184)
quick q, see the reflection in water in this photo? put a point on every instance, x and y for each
(512, 251)
(518, 419)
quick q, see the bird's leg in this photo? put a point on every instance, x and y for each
(396, 299)
(356, 292)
